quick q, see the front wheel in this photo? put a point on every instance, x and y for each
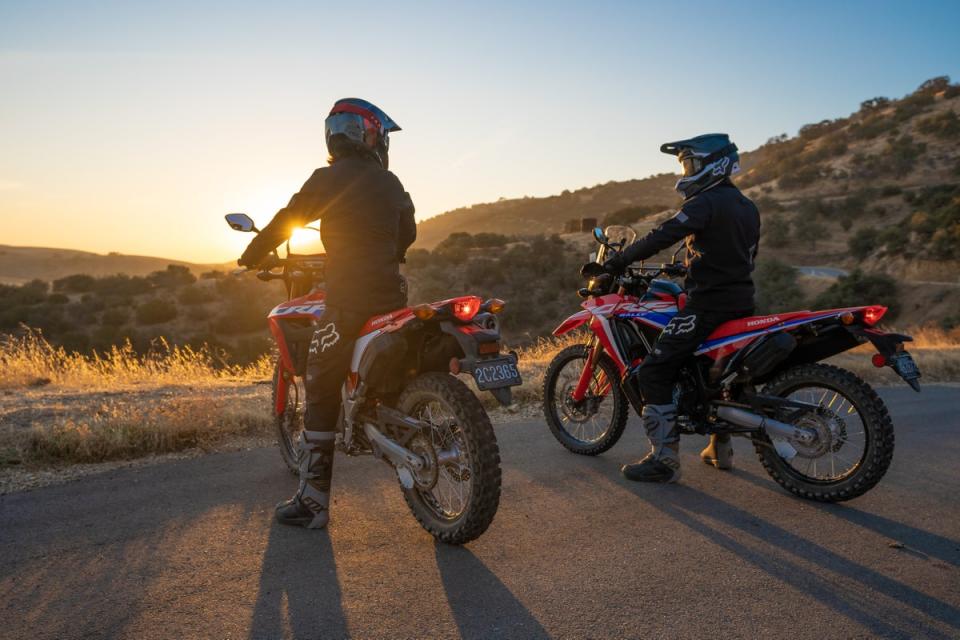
(456, 497)
(594, 424)
(289, 424)
(854, 443)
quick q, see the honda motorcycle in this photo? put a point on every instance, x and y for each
(402, 401)
(820, 431)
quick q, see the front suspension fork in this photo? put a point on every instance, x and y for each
(586, 375)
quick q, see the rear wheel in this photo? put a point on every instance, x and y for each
(594, 424)
(456, 497)
(854, 443)
(289, 424)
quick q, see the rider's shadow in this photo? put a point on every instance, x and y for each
(298, 574)
(482, 606)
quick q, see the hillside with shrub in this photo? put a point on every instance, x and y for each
(875, 194)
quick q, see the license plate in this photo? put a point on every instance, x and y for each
(497, 373)
(904, 365)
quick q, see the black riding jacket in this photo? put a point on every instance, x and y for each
(725, 225)
(366, 225)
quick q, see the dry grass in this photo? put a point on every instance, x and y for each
(185, 399)
(119, 430)
(29, 360)
(936, 352)
(120, 405)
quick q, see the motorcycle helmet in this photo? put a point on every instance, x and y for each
(706, 160)
(357, 125)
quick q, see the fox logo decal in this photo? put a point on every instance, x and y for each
(324, 338)
(680, 325)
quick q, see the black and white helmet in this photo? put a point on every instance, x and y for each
(706, 160)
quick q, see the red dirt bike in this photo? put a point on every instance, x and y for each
(402, 400)
(820, 431)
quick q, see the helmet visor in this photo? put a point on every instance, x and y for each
(350, 125)
(691, 165)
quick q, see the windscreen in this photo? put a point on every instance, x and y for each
(619, 236)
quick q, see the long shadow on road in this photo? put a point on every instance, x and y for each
(886, 606)
(298, 564)
(482, 605)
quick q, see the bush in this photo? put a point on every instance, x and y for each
(115, 317)
(807, 229)
(174, 276)
(946, 125)
(777, 231)
(777, 287)
(192, 295)
(80, 283)
(156, 311)
(860, 288)
(863, 243)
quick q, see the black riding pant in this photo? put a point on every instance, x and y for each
(657, 374)
(328, 363)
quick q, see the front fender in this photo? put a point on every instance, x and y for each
(576, 320)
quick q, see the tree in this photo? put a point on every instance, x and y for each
(174, 276)
(777, 231)
(777, 287)
(807, 229)
(156, 311)
(861, 288)
(863, 243)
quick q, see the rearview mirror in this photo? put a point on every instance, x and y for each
(240, 222)
(599, 235)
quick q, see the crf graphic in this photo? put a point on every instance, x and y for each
(324, 338)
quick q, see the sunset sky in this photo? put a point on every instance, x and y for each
(134, 127)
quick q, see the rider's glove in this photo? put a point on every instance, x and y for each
(615, 265)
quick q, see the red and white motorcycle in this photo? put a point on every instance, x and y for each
(820, 431)
(402, 399)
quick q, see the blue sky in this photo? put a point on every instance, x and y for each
(147, 121)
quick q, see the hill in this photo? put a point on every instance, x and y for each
(548, 215)
(21, 264)
(873, 160)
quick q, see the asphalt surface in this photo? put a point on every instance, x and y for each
(188, 549)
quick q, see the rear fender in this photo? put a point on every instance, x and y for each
(469, 337)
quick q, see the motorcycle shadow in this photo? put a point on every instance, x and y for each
(918, 543)
(482, 606)
(849, 588)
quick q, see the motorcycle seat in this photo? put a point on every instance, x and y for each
(384, 319)
(753, 323)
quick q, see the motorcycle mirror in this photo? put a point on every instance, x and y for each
(599, 235)
(240, 222)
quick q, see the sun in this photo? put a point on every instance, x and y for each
(305, 241)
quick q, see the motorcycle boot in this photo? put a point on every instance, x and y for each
(719, 453)
(310, 506)
(662, 464)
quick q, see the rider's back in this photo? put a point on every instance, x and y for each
(720, 277)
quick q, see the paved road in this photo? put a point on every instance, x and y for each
(831, 273)
(188, 550)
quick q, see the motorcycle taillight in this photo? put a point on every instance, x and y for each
(464, 309)
(872, 315)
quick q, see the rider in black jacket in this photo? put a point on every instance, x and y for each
(367, 225)
(722, 228)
